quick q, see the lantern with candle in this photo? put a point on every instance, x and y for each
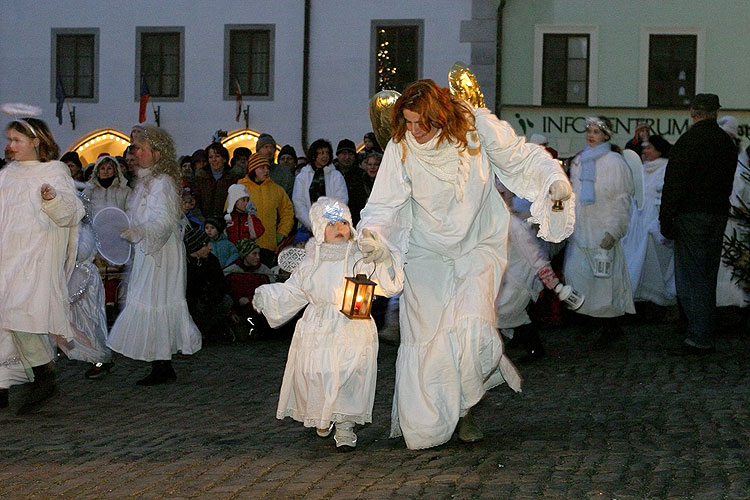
(358, 294)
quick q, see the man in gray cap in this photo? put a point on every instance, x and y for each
(266, 147)
(694, 208)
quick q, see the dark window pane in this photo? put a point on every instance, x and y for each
(397, 59)
(75, 64)
(160, 63)
(671, 69)
(249, 61)
(565, 66)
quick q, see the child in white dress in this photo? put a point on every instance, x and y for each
(331, 370)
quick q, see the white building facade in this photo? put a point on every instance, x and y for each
(306, 69)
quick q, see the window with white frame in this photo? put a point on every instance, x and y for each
(160, 59)
(565, 68)
(75, 63)
(249, 60)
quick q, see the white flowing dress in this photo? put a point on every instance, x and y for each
(610, 213)
(155, 323)
(331, 369)
(648, 255)
(37, 254)
(454, 242)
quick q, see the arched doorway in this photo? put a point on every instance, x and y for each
(100, 141)
(243, 137)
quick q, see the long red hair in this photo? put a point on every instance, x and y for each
(436, 107)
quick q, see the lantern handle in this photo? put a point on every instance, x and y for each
(354, 268)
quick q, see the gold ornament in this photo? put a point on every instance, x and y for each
(381, 112)
(463, 84)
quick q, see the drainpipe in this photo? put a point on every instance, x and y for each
(305, 76)
(499, 57)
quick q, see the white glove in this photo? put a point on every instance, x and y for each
(607, 242)
(258, 301)
(560, 190)
(374, 249)
(132, 234)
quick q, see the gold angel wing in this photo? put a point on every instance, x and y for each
(381, 111)
(463, 84)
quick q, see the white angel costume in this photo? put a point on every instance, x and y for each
(437, 208)
(728, 292)
(331, 369)
(520, 282)
(606, 297)
(87, 304)
(37, 254)
(649, 256)
(155, 323)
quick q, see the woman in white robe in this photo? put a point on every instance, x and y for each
(603, 186)
(435, 204)
(648, 255)
(39, 214)
(155, 323)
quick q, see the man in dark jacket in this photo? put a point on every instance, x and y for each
(694, 208)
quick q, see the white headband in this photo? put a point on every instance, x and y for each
(592, 120)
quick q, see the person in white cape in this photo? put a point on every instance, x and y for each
(39, 214)
(434, 205)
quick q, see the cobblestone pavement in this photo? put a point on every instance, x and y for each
(627, 422)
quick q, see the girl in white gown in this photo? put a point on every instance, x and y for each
(331, 370)
(155, 323)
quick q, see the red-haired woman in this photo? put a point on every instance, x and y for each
(434, 202)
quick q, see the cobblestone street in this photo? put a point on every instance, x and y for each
(629, 422)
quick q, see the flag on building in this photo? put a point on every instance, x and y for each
(238, 94)
(60, 96)
(145, 95)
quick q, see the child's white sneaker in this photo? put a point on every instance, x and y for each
(345, 437)
(325, 431)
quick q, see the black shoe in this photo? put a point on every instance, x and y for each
(98, 370)
(41, 389)
(691, 349)
(3, 398)
(161, 373)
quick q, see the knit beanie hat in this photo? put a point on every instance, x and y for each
(235, 192)
(194, 239)
(264, 139)
(256, 161)
(327, 211)
(288, 150)
(346, 145)
(245, 246)
(216, 222)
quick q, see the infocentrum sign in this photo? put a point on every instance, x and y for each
(564, 127)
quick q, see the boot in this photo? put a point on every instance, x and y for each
(468, 430)
(161, 373)
(3, 398)
(40, 390)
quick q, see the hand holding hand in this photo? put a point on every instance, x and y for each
(560, 190)
(373, 248)
(607, 242)
(48, 192)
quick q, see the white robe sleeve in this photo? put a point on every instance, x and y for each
(388, 210)
(528, 171)
(281, 301)
(617, 186)
(65, 209)
(162, 219)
